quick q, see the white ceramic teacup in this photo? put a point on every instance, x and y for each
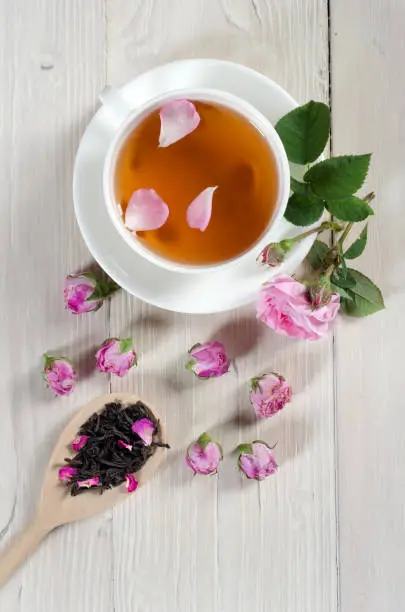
(124, 120)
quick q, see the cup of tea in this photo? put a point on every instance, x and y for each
(234, 149)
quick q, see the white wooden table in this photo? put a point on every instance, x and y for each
(327, 533)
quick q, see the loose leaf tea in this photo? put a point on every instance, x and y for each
(113, 450)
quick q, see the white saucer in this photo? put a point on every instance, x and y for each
(209, 292)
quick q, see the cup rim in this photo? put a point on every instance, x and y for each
(241, 106)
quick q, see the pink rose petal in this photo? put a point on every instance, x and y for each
(200, 209)
(66, 473)
(123, 444)
(177, 119)
(131, 483)
(145, 211)
(90, 482)
(145, 430)
(79, 442)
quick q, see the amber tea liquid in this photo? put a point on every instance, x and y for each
(225, 150)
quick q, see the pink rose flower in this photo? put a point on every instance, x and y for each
(59, 375)
(116, 356)
(203, 455)
(256, 460)
(285, 306)
(208, 360)
(269, 394)
(84, 292)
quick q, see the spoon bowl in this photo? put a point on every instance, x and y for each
(56, 505)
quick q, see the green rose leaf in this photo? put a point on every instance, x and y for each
(343, 278)
(358, 306)
(303, 210)
(304, 132)
(343, 292)
(317, 254)
(303, 189)
(358, 246)
(349, 209)
(338, 177)
(366, 289)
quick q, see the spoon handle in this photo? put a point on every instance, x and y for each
(21, 547)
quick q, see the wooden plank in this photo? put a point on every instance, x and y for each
(51, 69)
(368, 107)
(221, 543)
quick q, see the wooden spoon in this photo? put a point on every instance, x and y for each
(56, 506)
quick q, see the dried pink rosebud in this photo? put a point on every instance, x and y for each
(203, 455)
(85, 292)
(274, 253)
(79, 442)
(208, 360)
(145, 429)
(66, 473)
(116, 356)
(90, 482)
(269, 394)
(123, 444)
(59, 374)
(256, 460)
(178, 118)
(131, 484)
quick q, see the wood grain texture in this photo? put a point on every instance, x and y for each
(368, 110)
(51, 69)
(222, 543)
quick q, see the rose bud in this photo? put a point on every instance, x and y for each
(208, 360)
(269, 394)
(59, 374)
(116, 356)
(84, 292)
(203, 455)
(256, 460)
(274, 253)
(320, 292)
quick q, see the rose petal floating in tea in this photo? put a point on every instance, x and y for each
(204, 455)
(269, 394)
(123, 444)
(79, 442)
(145, 430)
(285, 306)
(66, 473)
(131, 484)
(200, 210)
(208, 360)
(88, 483)
(145, 211)
(177, 119)
(256, 460)
(116, 356)
(59, 375)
